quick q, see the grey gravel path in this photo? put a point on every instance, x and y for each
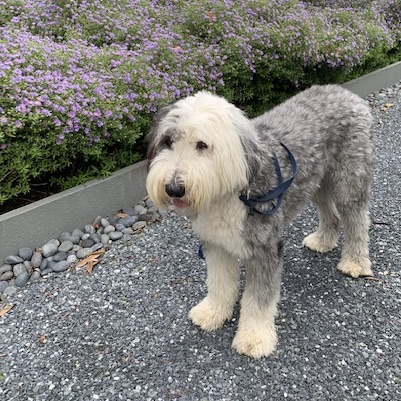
(122, 332)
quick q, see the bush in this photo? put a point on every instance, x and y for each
(79, 80)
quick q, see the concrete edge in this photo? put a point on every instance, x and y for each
(35, 224)
(375, 80)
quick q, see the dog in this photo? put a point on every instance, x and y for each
(241, 181)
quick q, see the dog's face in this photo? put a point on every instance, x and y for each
(195, 153)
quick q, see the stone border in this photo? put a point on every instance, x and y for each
(35, 224)
(375, 80)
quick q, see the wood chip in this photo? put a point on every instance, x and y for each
(6, 309)
(372, 278)
(90, 261)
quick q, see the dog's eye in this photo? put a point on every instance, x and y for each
(168, 143)
(201, 145)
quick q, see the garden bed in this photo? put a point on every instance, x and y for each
(80, 80)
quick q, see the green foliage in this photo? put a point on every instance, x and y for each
(77, 94)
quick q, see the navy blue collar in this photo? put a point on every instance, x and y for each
(276, 193)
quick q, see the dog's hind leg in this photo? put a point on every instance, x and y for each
(324, 239)
(256, 335)
(222, 285)
(351, 196)
(355, 254)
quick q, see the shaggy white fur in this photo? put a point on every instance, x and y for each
(204, 152)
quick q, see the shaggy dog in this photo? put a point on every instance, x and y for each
(241, 181)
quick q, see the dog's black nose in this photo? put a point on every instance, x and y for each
(175, 190)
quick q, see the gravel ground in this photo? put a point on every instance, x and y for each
(122, 333)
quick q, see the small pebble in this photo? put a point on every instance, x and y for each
(85, 236)
(54, 241)
(34, 276)
(25, 253)
(120, 227)
(18, 269)
(89, 229)
(109, 229)
(49, 249)
(60, 266)
(149, 203)
(46, 271)
(84, 252)
(127, 230)
(87, 243)
(3, 286)
(113, 220)
(22, 279)
(13, 260)
(36, 260)
(60, 256)
(104, 239)
(127, 221)
(139, 209)
(95, 237)
(43, 264)
(77, 233)
(66, 246)
(139, 225)
(5, 268)
(145, 217)
(10, 290)
(104, 222)
(75, 239)
(115, 235)
(72, 259)
(64, 236)
(128, 210)
(6, 276)
(96, 247)
(153, 209)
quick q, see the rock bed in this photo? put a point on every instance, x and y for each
(63, 253)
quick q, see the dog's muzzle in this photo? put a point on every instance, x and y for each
(175, 190)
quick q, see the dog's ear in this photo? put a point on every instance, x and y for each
(151, 137)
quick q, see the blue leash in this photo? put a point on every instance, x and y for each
(276, 193)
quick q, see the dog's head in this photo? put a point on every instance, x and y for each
(196, 153)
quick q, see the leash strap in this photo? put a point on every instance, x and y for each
(276, 193)
(200, 252)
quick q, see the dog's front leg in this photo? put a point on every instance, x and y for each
(222, 287)
(256, 335)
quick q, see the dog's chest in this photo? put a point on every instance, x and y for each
(223, 226)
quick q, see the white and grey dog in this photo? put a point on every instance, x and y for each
(241, 181)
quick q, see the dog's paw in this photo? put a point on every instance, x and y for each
(255, 342)
(356, 269)
(209, 315)
(316, 243)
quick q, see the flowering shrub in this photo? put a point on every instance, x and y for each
(80, 79)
